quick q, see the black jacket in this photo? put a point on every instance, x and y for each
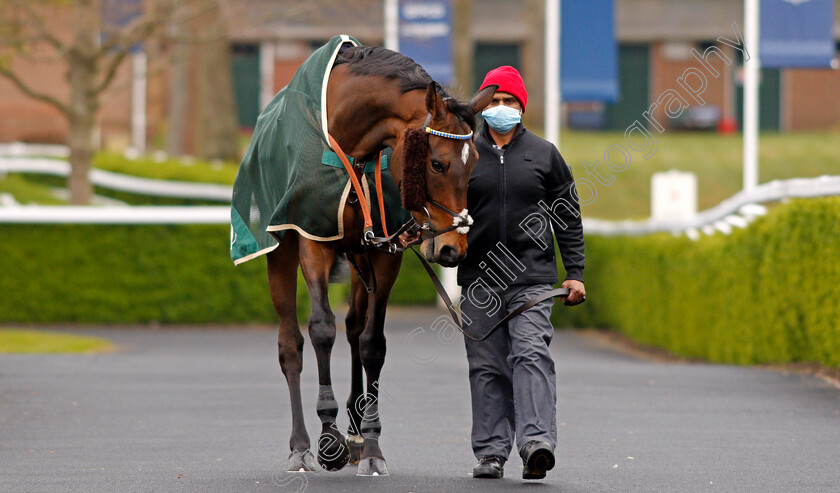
(509, 192)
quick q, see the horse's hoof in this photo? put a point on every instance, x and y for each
(333, 452)
(372, 466)
(355, 444)
(301, 462)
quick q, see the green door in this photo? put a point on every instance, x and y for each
(246, 83)
(769, 100)
(633, 83)
(491, 55)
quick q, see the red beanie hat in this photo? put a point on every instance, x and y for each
(509, 81)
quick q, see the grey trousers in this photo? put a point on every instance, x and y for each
(512, 380)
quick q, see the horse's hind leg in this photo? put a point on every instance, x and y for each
(372, 352)
(355, 320)
(282, 285)
(316, 261)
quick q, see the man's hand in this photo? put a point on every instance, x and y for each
(407, 238)
(577, 293)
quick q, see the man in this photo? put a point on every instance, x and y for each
(519, 186)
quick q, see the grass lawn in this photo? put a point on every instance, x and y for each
(715, 159)
(26, 191)
(40, 342)
(168, 169)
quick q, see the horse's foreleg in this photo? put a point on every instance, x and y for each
(316, 261)
(282, 284)
(372, 352)
(356, 317)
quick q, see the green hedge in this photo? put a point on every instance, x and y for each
(765, 294)
(142, 274)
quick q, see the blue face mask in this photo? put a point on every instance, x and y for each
(502, 118)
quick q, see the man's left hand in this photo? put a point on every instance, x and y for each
(407, 238)
(577, 293)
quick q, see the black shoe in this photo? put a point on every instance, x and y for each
(491, 466)
(537, 458)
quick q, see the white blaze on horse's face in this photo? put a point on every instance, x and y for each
(465, 153)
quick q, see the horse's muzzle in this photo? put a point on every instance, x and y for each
(448, 256)
(440, 251)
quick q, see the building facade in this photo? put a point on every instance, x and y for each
(658, 40)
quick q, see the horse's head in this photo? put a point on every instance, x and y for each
(437, 160)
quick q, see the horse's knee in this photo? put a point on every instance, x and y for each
(372, 348)
(290, 353)
(322, 329)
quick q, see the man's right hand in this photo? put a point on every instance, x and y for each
(577, 292)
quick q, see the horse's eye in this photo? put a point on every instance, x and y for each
(437, 166)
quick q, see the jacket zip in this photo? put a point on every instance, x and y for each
(503, 215)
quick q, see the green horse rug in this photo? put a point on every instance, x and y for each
(290, 178)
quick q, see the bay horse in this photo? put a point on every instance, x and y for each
(376, 98)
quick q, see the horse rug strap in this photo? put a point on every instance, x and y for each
(520, 309)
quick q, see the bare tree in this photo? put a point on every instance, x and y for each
(92, 52)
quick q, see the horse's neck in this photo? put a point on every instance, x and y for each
(375, 121)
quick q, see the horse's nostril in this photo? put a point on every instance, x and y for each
(448, 254)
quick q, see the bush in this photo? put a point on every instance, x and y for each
(126, 274)
(760, 295)
(142, 274)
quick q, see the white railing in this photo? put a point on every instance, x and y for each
(19, 149)
(119, 182)
(735, 211)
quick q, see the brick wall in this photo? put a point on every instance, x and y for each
(668, 63)
(812, 99)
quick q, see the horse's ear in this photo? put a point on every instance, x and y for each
(434, 103)
(415, 156)
(482, 98)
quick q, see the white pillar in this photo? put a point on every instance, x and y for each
(138, 101)
(751, 80)
(266, 73)
(392, 25)
(552, 71)
(449, 279)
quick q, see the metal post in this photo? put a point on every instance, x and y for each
(552, 71)
(752, 69)
(392, 25)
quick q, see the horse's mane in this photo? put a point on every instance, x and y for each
(378, 61)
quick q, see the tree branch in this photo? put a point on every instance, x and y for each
(111, 71)
(135, 32)
(143, 26)
(22, 48)
(42, 31)
(154, 68)
(22, 87)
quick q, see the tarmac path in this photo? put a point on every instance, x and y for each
(185, 409)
